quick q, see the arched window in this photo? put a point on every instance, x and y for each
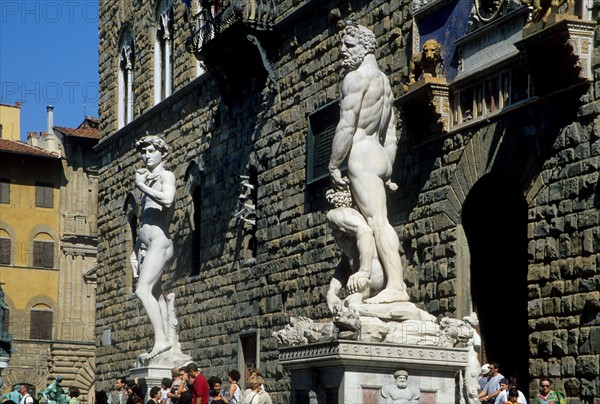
(5, 247)
(125, 80)
(162, 51)
(43, 251)
(41, 322)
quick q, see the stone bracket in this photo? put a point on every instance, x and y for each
(558, 53)
(264, 58)
(425, 108)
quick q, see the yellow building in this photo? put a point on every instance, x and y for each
(47, 246)
(10, 121)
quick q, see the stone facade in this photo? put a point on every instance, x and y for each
(498, 214)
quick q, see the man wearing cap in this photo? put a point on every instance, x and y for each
(492, 388)
(484, 377)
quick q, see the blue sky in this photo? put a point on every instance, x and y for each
(49, 56)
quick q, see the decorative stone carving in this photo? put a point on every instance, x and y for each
(303, 330)
(427, 63)
(400, 392)
(153, 251)
(486, 11)
(462, 333)
(546, 11)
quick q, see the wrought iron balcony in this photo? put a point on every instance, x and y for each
(217, 18)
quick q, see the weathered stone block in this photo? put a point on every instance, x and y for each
(587, 366)
(590, 341)
(568, 366)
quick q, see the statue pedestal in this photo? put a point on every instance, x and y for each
(151, 372)
(354, 371)
(149, 376)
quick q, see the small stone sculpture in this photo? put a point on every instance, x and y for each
(347, 323)
(427, 63)
(366, 137)
(543, 9)
(400, 392)
(303, 330)
(359, 271)
(462, 333)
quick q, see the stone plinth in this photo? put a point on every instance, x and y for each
(149, 376)
(354, 372)
(425, 108)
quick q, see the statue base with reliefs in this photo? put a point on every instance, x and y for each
(344, 371)
(152, 372)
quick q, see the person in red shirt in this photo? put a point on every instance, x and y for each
(200, 389)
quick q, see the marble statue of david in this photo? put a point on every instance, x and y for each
(154, 248)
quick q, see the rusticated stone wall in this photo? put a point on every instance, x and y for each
(214, 137)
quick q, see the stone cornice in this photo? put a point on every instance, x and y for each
(353, 353)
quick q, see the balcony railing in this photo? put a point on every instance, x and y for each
(213, 20)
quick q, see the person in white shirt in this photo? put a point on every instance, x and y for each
(505, 386)
(492, 388)
(27, 399)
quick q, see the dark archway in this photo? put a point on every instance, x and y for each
(495, 222)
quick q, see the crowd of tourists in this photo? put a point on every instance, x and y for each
(188, 385)
(497, 389)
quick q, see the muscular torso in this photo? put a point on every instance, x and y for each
(367, 154)
(155, 217)
(375, 109)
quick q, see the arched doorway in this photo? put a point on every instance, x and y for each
(494, 218)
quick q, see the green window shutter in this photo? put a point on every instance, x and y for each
(44, 195)
(43, 254)
(4, 191)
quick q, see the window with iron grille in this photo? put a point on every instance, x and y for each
(41, 323)
(5, 245)
(321, 129)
